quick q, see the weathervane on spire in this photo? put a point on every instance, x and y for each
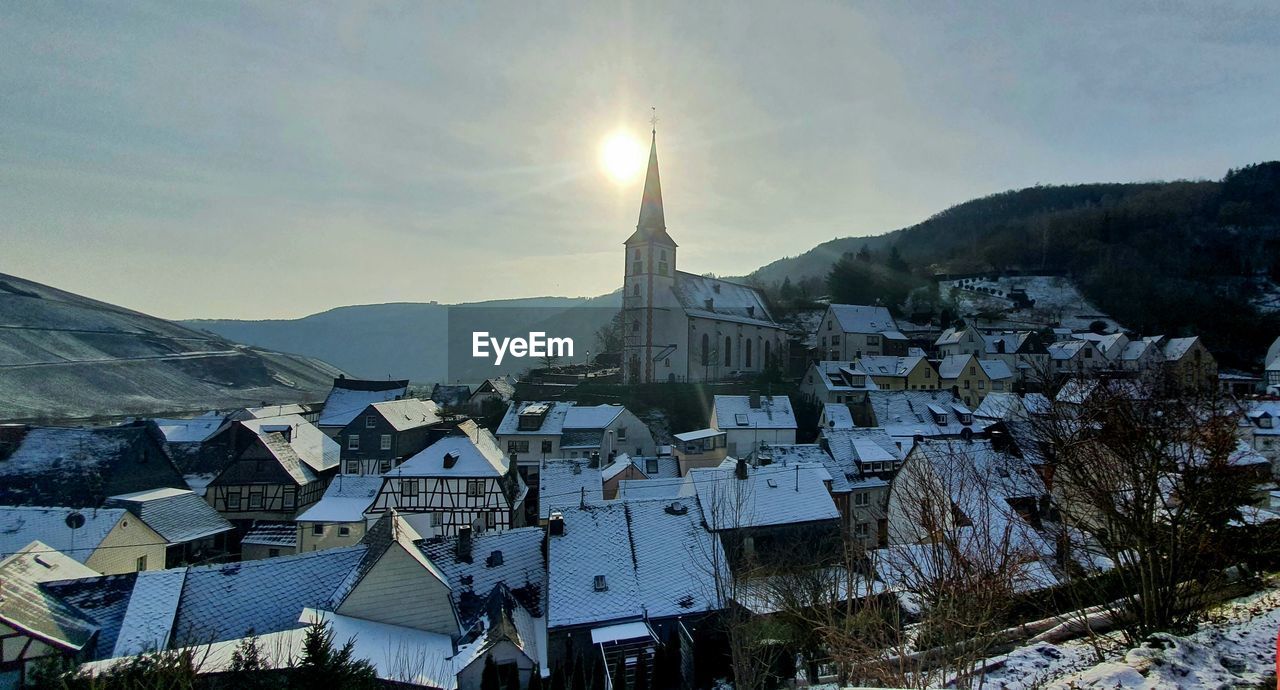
(653, 119)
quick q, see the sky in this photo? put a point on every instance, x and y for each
(272, 160)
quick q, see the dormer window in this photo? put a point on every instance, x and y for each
(939, 418)
(1265, 421)
(601, 585)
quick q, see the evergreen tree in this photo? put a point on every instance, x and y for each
(864, 253)
(489, 676)
(896, 262)
(323, 665)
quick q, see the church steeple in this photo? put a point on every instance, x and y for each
(651, 217)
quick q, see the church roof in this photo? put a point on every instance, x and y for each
(652, 223)
(714, 298)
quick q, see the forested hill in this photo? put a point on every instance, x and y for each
(1161, 257)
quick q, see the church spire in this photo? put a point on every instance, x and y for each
(651, 217)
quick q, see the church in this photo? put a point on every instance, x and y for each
(680, 326)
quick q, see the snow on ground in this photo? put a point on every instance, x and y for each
(1235, 647)
(1057, 300)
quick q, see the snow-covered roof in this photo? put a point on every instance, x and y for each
(858, 318)
(770, 495)
(629, 560)
(736, 412)
(474, 455)
(1177, 348)
(713, 298)
(837, 416)
(578, 439)
(1002, 405)
(852, 451)
(1110, 344)
(646, 489)
(839, 376)
(564, 484)
(1067, 349)
(275, 410)
(952, 366)
(148, 619)
(552, 423)
(885, 365)
(23, 524)
(178, 515)
(25, 606)
(349, 397)
(345, 500)
(311, 445)
(951, 336)
(450, 395)
(521, 567)
(904, 414)
(272, 533)
(698, 434)
(591, 417)
(408, 413)
(193, 430)
(996, 369)
(1136, 350)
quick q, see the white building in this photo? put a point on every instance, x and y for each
(751, 420)
(535, 431)
(680, 326)
(852, 331)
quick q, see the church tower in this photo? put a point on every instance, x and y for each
(649, 279)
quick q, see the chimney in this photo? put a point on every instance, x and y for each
(464, 544)
(451, 459)
(755, 400)
(741, 470)
(555, 525)
(595, 459)
(998, 441)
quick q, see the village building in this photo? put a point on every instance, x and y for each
(451, 396)
(749, 421)
(863, 463)
(624, 468)
(700, 448)
(854, 331)
(35, 628)
(385, 433)
(836, 416)
(1007, 407)
(349, 397)
(913, 373)
(680, 326)
(970, 378)
(564, 484)
(106, 540)
(835, 382)
(1271, 367)
(268, 539)
(910, 415)
(459, 481)
(499, 389)
(534, 431)
(1075, 357)
(192, 530)
(1188, 365)
(341, 516)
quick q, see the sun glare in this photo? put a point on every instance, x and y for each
(622, 156)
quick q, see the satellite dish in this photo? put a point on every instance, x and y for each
(75, 519)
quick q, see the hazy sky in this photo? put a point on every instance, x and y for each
(278, 159)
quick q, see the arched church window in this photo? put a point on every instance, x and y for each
(635, 290)
(706, 349)
(728, 351)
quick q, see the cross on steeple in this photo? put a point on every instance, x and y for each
(653, 119)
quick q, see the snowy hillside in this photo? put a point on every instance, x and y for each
(1056, 300)
(65, 358)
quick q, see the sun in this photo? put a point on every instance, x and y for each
(622, 156)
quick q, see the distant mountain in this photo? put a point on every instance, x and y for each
(424, 342)
(67, 358)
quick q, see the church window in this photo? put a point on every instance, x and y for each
(663, 255)
(635, 290)
(766, 353)
(637, 267)
(662, 268)
(706, 350)
(728, 351)
(746, 354)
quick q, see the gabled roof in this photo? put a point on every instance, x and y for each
(1177, 348)
(349, 396)
(837, 376)
(736, 412)
(474, 455)
(996, 370)
(858, 318)
(345, 500)
(178, 515)
(565, 484)
(1067, 349)
(716, 298)
(308, 444)
(653, 561)
(904, 414)
(20, 525)
(837, 416)
(770, 495)
(409, 413)
(1002, 405)
(285, 454)
(25, 606)
(884, 365)
(952, 366)
(193, 430)
(552, 423)
(499, 384)
(521, 568)
(149, 616)
(591, 417)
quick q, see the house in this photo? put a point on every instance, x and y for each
(970, 378)
(836, 416)
(1271, 365)
(913, 373)
(1074, 357)
(700, 448)
(863, 463)
(493, 391)
(1110, 345)
(1188, 365)
(341, 516)
(80, 468)
(191, 529)
(1022, 351)
(624, 468)
(34, 626)
(451, 396)
(563, 484)
(278, 466)
(460, 480)
(349, 397)
(1260, 427)
(269, 539)
(751, 420)
(195, 447)
(662, 590)
(835, 382)
(680, 326)
(535, 431)
(854, 331)
(384, 433)
(965, 340)
(107, 540)
(909, 415)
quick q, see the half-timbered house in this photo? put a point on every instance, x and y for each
(384, 434)
(268, 480)
(459, 480)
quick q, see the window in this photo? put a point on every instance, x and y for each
(141, 563)
(475, 487)
(728, 351)
(928, 372)
(290, 498)
(966, 384)
(873, 340)
(982, 384)
(835, 339)
(490, 520)
(517, 447)
(824, 341)
(622, 433)
(353, 442)
(706, 350)
(370, 421)
(651, 466)
(317, 530)
(384, 465)
(637, 267)
(385, 442)
(408, 488)
(353, 467)
(435, 519)
(862, 498)
(973, 371)
(662, 268)
(546, 447)
(344, 531)
(255, 500)
(233, 500)
(635, 290)
(862, 529)
(746, 354)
